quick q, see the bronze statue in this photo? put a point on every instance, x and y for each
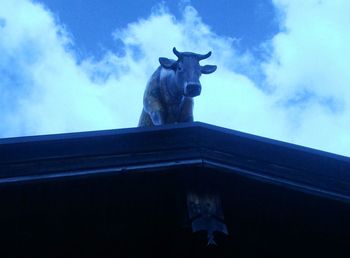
(168, 97)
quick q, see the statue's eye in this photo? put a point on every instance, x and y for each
(179, 68)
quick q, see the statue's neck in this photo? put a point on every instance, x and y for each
(173, 96)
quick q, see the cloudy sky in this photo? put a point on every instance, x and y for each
(80, 65)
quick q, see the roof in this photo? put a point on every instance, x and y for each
(141, 149)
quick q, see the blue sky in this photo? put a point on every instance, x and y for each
(91, 23)
(283, 65)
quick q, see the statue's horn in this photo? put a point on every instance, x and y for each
(201, 57)
(177, 53)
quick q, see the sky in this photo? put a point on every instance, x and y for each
(82, 65)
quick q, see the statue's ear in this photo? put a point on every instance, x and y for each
(167, 63)
(208, 69)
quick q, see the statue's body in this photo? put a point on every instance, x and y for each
(168, 97)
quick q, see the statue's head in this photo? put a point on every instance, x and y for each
(188, 71)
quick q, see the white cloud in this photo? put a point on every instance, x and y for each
(44, 89)
(309, 72)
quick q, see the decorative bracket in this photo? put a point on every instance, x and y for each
(205, 214)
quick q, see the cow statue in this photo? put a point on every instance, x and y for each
(169, 94)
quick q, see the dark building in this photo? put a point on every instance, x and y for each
(127, 193)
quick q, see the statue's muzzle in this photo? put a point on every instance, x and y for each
(193, 89)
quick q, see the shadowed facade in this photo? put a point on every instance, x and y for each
(124, 193)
